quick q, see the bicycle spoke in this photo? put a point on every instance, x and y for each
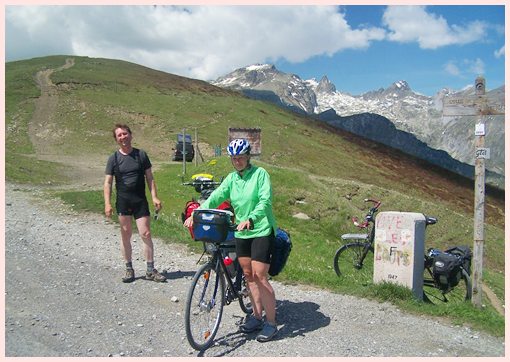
(431, 294)
(244, 296)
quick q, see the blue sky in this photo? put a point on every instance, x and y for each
(360, 48)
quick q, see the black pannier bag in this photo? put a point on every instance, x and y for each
(281, 251)
(464, 252)
(447, 270)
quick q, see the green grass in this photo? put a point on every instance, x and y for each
(28, 170)
(314, 169)
(314, 241)
(84, 201)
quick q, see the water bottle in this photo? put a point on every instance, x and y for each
(229, 263)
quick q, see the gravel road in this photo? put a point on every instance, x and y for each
(64, 297)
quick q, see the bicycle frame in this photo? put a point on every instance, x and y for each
(217, 260)
(369, 240)
(428, 264)
(369, 245)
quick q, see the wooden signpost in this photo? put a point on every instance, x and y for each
(477, 105)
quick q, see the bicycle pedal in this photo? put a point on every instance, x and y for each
(229, 297)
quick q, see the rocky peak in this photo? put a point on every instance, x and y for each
(401, 85)
(325, 86)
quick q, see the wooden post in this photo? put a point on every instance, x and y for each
(478, 106)
(196, 147)
(184, 151)
(479, 206)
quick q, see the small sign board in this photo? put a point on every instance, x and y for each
(484, 153)
(253, 135)
(480, 129)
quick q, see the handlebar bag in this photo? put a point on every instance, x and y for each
(211, 225)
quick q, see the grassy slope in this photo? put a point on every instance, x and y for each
(331, 170)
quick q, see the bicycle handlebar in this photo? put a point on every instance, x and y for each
(369, 216)
(375, 202)
(233, 227)
(194, 183)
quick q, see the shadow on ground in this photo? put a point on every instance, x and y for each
(293, 318)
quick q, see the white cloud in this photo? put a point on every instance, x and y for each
(466, 68)
(452, 68)
(29, 32)
(476, 66)
(414, 24)
(500, 52)
(196, 41)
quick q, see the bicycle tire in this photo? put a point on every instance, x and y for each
(459, 294)
(244, 297)
(204, 306)
(347, 262)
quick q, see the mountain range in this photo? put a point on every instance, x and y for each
(395, 116)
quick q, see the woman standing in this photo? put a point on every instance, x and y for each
(250, 193)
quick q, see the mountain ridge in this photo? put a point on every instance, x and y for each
(96, 93)
(410, 112)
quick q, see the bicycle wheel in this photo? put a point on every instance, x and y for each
(204, 306)
(348, 263)
(241, 287)
(459, 294)
(244, 297)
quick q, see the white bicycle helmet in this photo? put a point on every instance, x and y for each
(239, 146)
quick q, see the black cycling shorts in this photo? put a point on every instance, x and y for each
(126, 207)
(259, 249)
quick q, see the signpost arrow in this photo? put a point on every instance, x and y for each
(472, 106)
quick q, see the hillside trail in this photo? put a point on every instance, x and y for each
(42, 127)
(83, 172)
(88, 172)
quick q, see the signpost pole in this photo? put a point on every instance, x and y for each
(479, 206)
(197, 152)
(184, 151)
(478, 106)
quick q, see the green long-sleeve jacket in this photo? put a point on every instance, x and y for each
(251, 196)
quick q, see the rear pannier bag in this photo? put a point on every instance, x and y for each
(446, 270)
(281, 251)
(464, 252)
(188, 211)
(212, 225)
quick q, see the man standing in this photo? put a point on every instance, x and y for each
(131, 167)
